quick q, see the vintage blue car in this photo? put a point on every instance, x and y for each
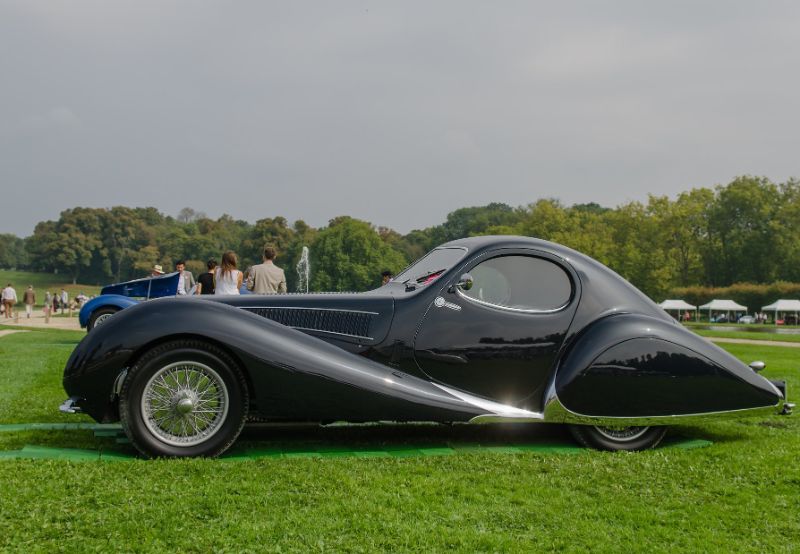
(119, 296)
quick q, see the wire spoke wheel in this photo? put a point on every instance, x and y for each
(102, 318)
(185, 403)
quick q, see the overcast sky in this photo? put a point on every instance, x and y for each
(393, 112)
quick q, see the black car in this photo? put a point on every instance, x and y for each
(484, 329)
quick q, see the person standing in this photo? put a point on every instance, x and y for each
(185, 279)
(266, 277)
(29, 298)
(48, 303)
(64, 300)
(227, 279)
(81, 299)
(9, 297)
(205, 282)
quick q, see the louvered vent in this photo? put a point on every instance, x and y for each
(333, 321)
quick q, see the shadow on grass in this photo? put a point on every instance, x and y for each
(373, 440)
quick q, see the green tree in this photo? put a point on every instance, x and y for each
(350, 255)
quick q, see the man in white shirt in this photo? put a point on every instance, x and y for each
(9, 297)
(186, 279)
(267, 278)
(64, 300)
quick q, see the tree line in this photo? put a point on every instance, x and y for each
(747, 231)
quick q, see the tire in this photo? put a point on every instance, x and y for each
(100, 316)
(618, 438)
(184, 398)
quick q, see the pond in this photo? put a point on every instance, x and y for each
(748, 329)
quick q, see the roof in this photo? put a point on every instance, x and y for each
(677, 305)
(724, 306)
(783, 305)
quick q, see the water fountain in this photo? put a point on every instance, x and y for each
(303, 270)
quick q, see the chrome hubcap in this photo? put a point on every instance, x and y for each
(185, 403)
(622, 434)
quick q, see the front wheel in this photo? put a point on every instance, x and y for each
(100, 316)
(183, 398)
(618, 437)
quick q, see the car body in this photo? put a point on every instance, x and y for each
(745, 319)
(119, 296)
(483, 329)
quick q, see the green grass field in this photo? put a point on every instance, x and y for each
(42, 282)
(742, 494)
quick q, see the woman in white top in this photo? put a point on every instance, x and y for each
(227, 279)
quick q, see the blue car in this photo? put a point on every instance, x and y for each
(119, 296)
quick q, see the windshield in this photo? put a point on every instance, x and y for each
(431, 266)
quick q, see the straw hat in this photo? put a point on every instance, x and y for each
(158, 269)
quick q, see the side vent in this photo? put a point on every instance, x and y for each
(341, 322)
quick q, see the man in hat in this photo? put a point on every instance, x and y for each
(157, 271)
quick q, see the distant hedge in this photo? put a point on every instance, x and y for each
(748, 294)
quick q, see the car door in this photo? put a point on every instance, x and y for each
(499, 339)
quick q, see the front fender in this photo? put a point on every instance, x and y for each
(293, 375)
(104, 301)
(633, 366)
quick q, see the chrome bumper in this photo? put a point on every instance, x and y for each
(70, 406)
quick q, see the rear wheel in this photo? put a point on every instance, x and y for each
(618, 437)
(184, 398)
(100, 316)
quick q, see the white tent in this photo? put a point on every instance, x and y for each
(723, 306)
(726, 306)
(783, 306)
(677, 305)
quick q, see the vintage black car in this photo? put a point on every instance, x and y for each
(484, 329)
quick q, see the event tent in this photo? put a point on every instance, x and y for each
(727, 306)
(782, 306)
(677, 305)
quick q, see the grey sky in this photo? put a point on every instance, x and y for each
(396, 113)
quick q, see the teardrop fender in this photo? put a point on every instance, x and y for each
(293, 375)
(635, 367)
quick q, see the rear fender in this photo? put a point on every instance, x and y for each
(636, 366)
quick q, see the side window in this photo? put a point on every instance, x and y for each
(520, 283)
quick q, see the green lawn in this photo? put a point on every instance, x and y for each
(42, 282)
(742, 494)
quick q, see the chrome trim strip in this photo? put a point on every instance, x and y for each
(497, 412)
(304, 308)
(510, 309)
(360, 337)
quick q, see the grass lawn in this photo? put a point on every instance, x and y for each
(42, 282)
(740, 494)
